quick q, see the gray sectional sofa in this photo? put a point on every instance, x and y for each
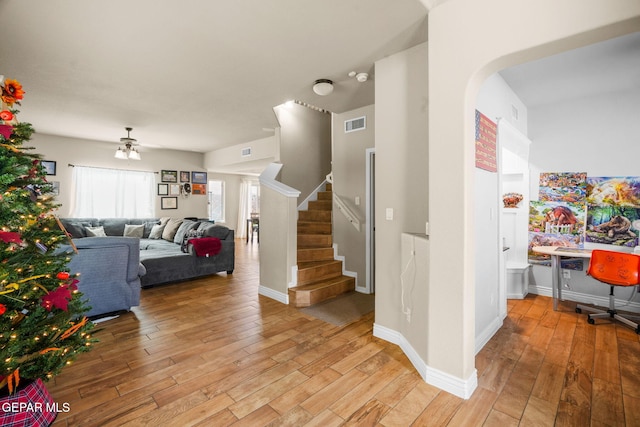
(150, 251)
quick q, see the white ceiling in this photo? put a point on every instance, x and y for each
(607, 67)
(201, 75)
(193, 75)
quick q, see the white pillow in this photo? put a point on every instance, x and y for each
(156, 231)
(95, 231)
(131, 230)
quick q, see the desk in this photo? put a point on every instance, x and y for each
(557, 252)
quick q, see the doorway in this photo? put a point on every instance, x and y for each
(370, 164)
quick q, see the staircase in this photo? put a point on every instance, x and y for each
(319, 275)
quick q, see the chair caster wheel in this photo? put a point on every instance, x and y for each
(578, 310)
(591, 321)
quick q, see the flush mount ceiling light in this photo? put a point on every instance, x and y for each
(323, 87)
(128, 152)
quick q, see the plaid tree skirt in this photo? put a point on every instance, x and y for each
(31, 406)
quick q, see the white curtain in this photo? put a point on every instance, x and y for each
(112, 193)
(243, 209)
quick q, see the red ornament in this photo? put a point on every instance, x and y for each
(63, 275)
(10, 237)
(3, 309)
(58, 298)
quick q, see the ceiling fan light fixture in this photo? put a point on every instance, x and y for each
(323, 87)
(128, 152)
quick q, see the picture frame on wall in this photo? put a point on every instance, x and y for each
(199, 189)
(169, 176)
(199, 177)
(174, 189)
(169, 203)
(163, 189)
(185, 176)
(49, 166)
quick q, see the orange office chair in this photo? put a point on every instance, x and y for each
(614, 269)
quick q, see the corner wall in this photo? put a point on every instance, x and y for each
(402, 182)
(349, 182)
(305, 147)
(468, 41)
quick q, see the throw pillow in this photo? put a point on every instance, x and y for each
(171, 228)
(191, 234)
(131, 230)
(156, 232)
(95, 231)
(75, 229)
(182, 230)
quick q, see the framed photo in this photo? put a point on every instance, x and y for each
(163, 189)
(199, 177)
(199, 189)
(169, 176)
(169, 203)
(49, 166)
(174, 189)
(185, 176)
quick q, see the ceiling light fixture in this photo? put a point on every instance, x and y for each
(128, 152)
(323, 87)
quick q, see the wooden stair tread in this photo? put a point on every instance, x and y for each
(321, 284)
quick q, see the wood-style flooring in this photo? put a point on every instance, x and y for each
(212, 352)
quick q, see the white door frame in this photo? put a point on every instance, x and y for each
(370, 256)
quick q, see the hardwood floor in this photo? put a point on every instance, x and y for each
(211, 352)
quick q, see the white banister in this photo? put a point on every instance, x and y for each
(348, 213)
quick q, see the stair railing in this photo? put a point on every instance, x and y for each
(346, 211)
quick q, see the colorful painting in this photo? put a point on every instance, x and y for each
(557, 217)
(486, 132)
(613, 225)
(570, 187)
(561, 240)
(617, 191)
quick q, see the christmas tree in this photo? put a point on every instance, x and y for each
(42, 326)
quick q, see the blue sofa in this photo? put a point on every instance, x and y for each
(154, 261)
(110, 272)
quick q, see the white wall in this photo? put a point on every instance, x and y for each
(597, 135)
(401, 175)
(495, 100)
(468, 41)
(305, 147)
(231, 160)
(349, 179)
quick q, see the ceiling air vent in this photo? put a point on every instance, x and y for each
(246, 152)
(355, 124)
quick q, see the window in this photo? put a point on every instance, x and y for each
(216, 200)
(254, 198)
(112, 193)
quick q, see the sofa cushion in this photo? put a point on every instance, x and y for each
(95, 231)
(171, 229)
(156, 231)
(131, 230)
(213, 230)
(183, 229)
(114, 226)
(76, 229)
(148, 226)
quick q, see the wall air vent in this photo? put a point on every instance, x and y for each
(355, 124)
(246, 152)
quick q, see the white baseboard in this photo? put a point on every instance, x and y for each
(483, 338)
(449, 383)
(270, 293)
(600, 301)
(342, 258)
